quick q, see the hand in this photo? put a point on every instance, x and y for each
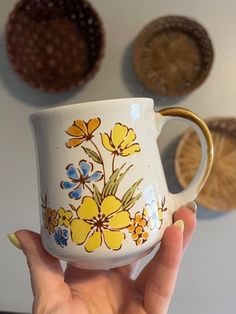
(113, 291)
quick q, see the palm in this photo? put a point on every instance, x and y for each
(113, 291)
(101, 292)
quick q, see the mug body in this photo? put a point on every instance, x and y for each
(104, 200)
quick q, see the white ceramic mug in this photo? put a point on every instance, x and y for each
(104, 196)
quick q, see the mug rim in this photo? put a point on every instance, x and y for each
(148, 102)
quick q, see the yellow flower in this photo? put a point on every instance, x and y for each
(97, 223)
(160, 214)
(50, 219)
(121, 141)
(64, 217)
(81, 131)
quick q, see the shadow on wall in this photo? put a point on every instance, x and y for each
(21, 90)
(135, 87)
(168, 160)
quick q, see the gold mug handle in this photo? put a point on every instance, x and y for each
(192, 190)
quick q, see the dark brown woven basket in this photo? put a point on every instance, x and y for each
(55, 45)
(172, 55)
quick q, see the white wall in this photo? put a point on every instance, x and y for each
(207, 279)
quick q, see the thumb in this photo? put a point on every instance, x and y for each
(45, 271)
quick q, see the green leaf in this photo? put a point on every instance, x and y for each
(113, 182)
(110, 183)
(117, 182)
(97, 195)
(93, 155)
(131, 203)
(130, 193)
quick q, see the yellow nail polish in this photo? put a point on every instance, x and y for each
(13, 239)
(180, 225)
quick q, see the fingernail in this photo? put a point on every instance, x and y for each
(13, 239)
(192, 206)
(180, 225)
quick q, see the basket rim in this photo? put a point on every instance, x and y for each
(200, 199)
(157, 26)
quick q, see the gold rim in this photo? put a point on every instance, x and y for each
(189, 115)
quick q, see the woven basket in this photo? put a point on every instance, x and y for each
(172, 55)
(219, 193)
(55, 45)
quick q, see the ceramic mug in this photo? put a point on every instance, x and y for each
(104, 196)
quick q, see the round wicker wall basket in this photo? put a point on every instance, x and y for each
(55, 45)
(172, 55)
(219, 192)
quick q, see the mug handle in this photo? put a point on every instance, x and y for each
(192, 190)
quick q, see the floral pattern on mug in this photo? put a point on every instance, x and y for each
(155, 213)
(80, 178)
(102, 216)
(64, 217)
(121, 141)
(97, 223)
(50, 219)
(81, 131)
(137, 228)
(61, 237)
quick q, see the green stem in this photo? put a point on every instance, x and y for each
(113, 163)
(99, 154)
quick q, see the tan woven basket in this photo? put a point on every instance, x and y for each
(219, 193)
(172, 55)
(55, 45)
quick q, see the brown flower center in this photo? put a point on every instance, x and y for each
(89, 137)
(82, 180)
(100, 222)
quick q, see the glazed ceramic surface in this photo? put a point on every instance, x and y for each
(104, 200)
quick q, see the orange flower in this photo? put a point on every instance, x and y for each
(81, 131)
(50, 219)
(138, 223)
(141, 238)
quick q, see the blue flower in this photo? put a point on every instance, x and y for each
(61, 237)
(154, 213)
(80, 177)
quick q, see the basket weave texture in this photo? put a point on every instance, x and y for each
(219, 192)
(172, 55)
(55, 45)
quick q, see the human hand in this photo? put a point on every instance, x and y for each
(106, 291)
